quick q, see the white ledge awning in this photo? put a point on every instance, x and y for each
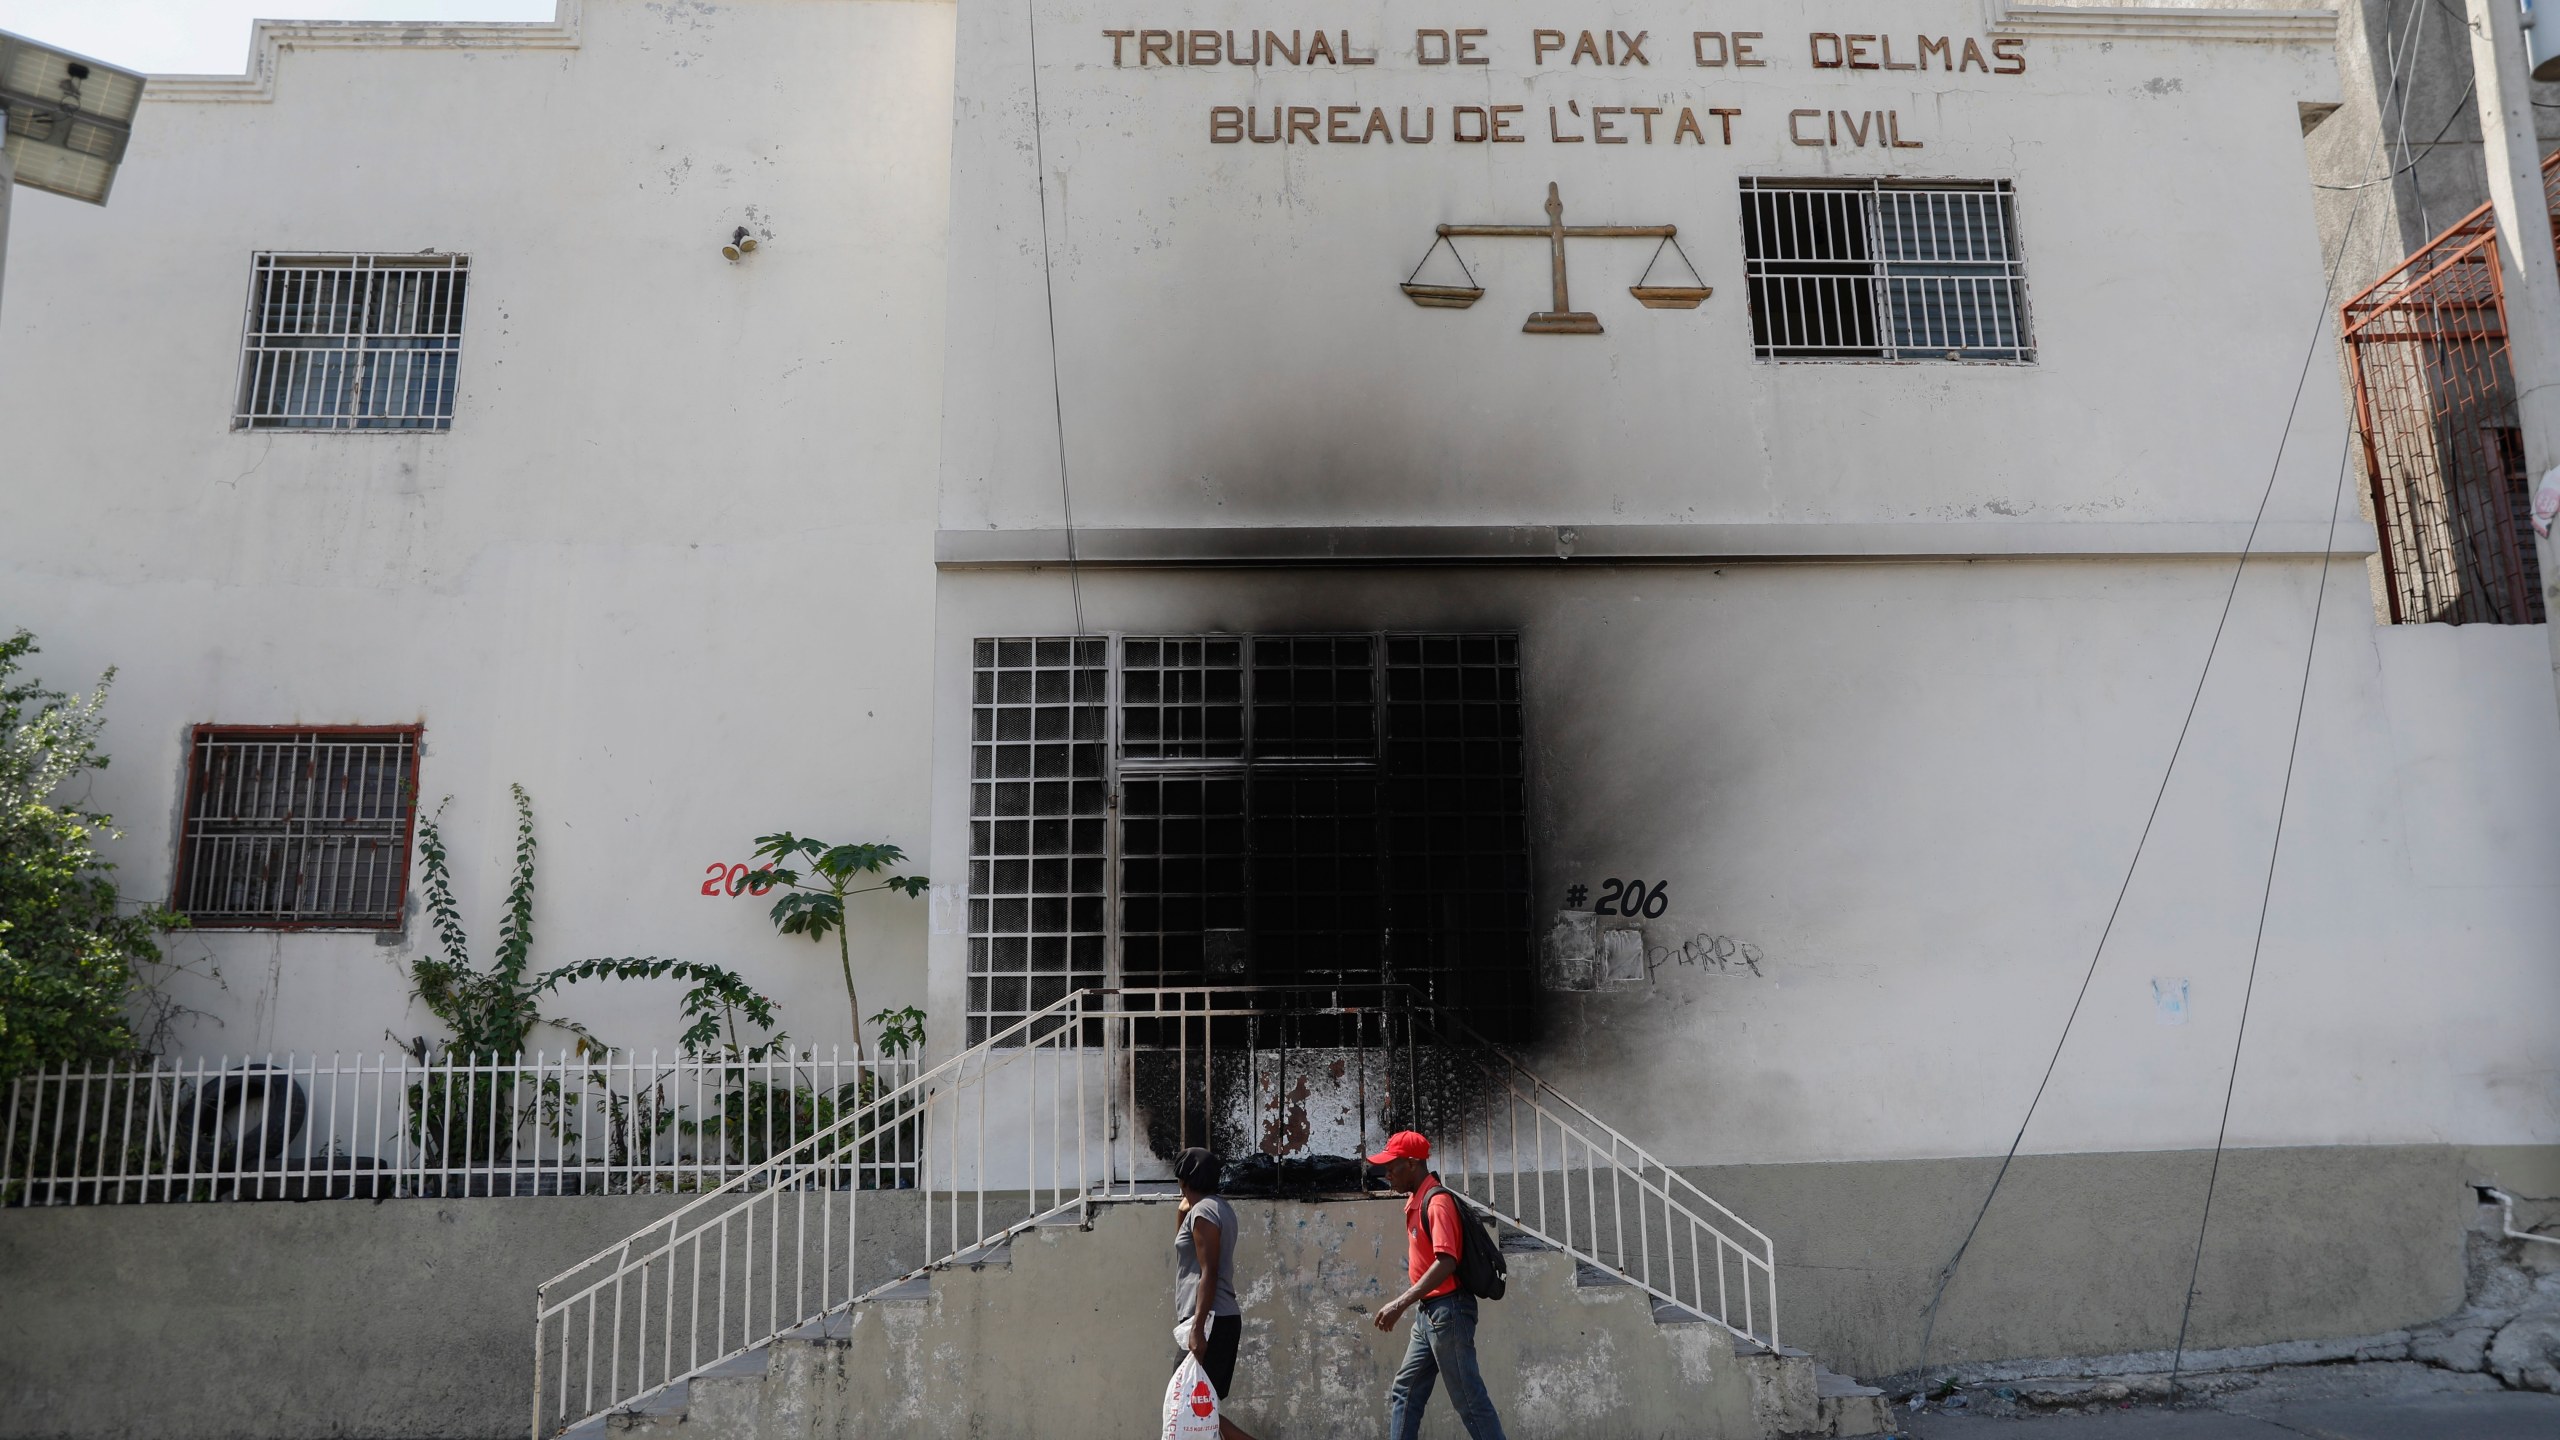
(1643, 544)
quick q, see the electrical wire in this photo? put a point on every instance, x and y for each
(2266, 893)
(2445, 129)
(2266, 897)
(2412, 44)
(2275, 469)
(1049, 295)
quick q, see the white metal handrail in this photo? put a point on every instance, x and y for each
(1529, 1090)
(1679, 1256)
(309, 1127)
(606, 1330)
(1078, 1104)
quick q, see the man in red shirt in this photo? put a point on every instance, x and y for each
(1444, 1324)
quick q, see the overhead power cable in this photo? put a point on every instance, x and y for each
(2186, 723)
(2257, 943)
(1049, 296)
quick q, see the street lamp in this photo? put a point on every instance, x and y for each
(64, 122)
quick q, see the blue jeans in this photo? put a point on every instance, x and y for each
(1443, 1345)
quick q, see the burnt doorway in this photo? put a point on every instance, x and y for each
(1344, 811)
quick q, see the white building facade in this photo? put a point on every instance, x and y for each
(1197, 494)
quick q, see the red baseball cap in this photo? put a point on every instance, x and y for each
(1403, 1145)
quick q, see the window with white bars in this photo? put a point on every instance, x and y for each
(1884, 270)
(1036, 817)
(292, 828)
(351, 342)
(1334, 810)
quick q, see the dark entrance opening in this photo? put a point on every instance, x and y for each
(1339, 811)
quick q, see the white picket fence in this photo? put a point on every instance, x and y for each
(312, 1127)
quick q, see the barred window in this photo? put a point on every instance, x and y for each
(1884, 270)
(1336, 810)
(351, 342)
(1036, 815)
(288, 828)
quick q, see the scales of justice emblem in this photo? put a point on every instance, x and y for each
(1563, 319)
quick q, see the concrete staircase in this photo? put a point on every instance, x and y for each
(1065, 1334)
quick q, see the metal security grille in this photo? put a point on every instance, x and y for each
(2435, 407)
(351, 342)
(1884, 270)
(287, 828)
(1182, 699)
(1336, 810)
(1036, 825)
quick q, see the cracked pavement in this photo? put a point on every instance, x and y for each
(2339, 1402)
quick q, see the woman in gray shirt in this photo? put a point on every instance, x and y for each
(1204, 1285)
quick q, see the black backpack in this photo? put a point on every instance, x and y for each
(1482, 1272)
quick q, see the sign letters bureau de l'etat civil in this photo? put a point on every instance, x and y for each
(1410, 118)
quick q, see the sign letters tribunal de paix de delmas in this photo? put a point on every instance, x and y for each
(1618, 53)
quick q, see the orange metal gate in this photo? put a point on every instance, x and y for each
(2426, 353)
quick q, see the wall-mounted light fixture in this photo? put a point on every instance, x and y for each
(69, 117)
(740, 245)
(64, 123)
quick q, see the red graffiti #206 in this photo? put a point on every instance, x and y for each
(721, 877)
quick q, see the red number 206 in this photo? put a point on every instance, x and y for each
(721, 878)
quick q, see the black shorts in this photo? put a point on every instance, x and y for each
(1219, 1359)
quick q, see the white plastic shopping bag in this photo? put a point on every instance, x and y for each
(1190, 1403)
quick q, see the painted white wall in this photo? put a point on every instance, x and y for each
(1234, 350)
(673, 568)
(1915, 790)
(670, 567)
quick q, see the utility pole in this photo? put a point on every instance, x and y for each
(2529, 272)
(8, 184)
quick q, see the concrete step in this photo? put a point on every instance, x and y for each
(1826, 1382)
(950, 1353)
(838, 1326)
(914, 1287)
(1849, 1408)
(752, 1363)
(671, 1401)
(1587, 1275)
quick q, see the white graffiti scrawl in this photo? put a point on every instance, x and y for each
(1580, 954)
(1721, 954)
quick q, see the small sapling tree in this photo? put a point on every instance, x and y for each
(815, 906)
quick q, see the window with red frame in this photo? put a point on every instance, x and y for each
(288, 828)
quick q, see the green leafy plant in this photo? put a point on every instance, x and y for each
(493, 1009)
(833, 874)
(711, 1007)
(490, 1011)
(70, 948)
(454, 1118)
(901, 1031)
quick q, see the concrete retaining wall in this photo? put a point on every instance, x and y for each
(398, 1320)
(410, 1319)
(2089, 1254)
